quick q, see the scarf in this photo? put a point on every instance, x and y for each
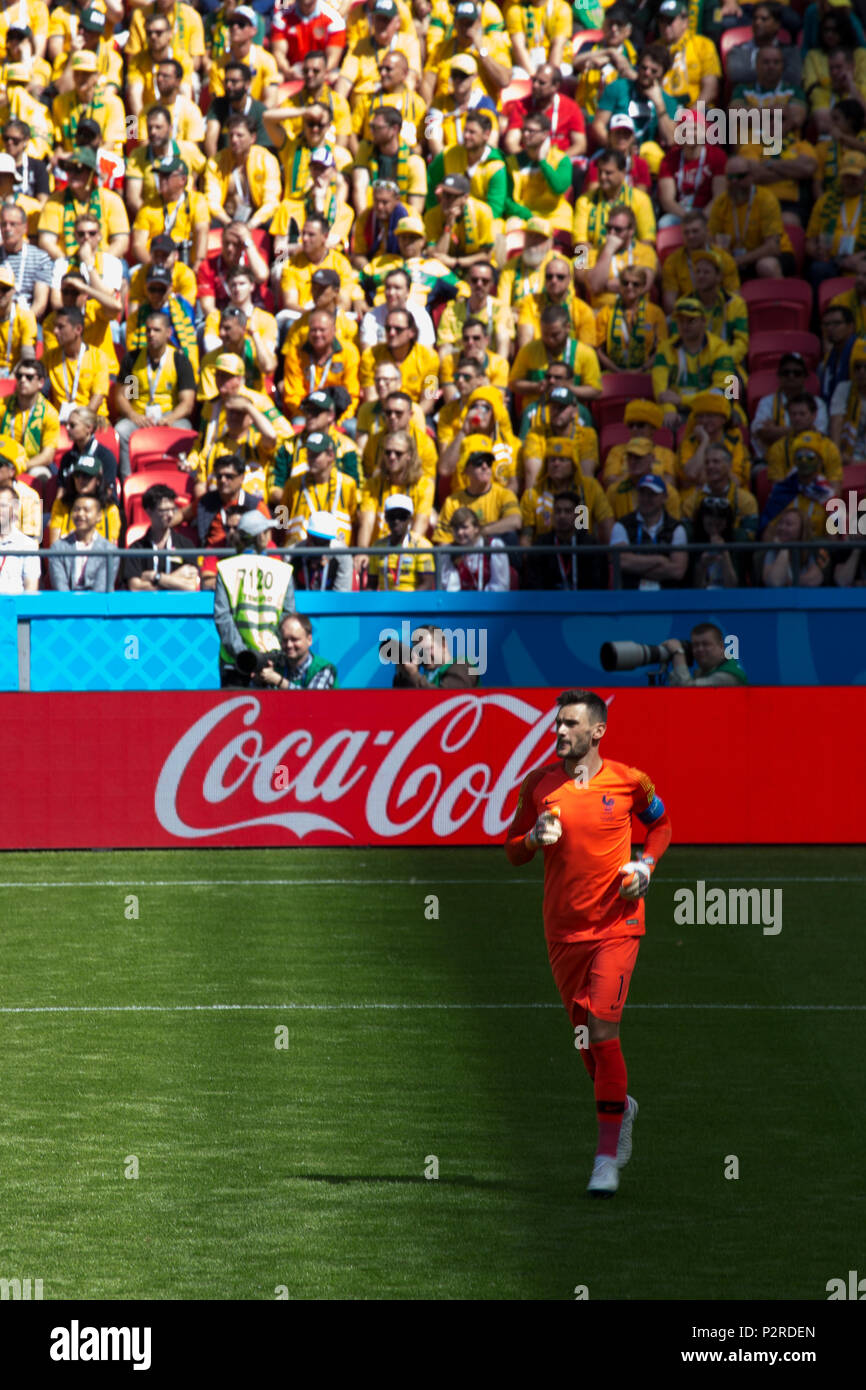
(600, 211)
(391, 166)
(830, 217)
(31, 428)
(80, 113)
(627, 346)
(73, 210)
(183, 329)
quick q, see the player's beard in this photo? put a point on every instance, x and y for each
(577, 750)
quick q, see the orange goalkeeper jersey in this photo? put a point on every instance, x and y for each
(581, 871)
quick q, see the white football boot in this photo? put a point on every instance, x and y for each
(623, 1148)
(605, 1177)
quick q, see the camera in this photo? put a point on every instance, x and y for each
(250, 662)
(627, 656)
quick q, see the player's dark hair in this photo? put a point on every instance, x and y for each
(701, 628)
(804, 398)
(473, 322)
(244, 70)
(612, 157)
(171, 63)
(568, 496)
(594, 703)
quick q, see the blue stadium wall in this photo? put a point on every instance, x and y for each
(53, 642)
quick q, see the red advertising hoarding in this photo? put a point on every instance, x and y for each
(239, 768)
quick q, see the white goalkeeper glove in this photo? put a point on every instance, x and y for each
(546, 831)
(636, 875)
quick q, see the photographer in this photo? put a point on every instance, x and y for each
(295, 667)
(712, 666)
(253, 593)
(429, 666)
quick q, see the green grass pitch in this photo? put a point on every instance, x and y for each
(303, 1168)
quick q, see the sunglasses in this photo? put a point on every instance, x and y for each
(737, 178)
(26, 376)
(395, 453)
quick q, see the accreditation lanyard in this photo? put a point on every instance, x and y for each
(563, 572)
(22, 266)
(315, 380)
(79, 581)
(313, 502)
(845, 223)
(740, 237)
(71, 397)
(10, 324)
(242, 184)
(680, 178)
(171, 217)
(403, 545)
(154, 376)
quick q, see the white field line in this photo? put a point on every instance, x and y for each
(383, 882)
(343, 1008)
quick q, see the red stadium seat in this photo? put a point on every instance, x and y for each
(138, 483)
(829, 289)
(616, 392)
(585, 38)
(761, 487)
(108, 439)
(778, 304)
(743, 33)
(766, 382)
(135, 533)
(854, 476)
(7, 385)
(514, 243)
(155, 443)
(515, 91)
(765, 349)
(667, 240)
(798, 242)
(620, 433)
(731, 39)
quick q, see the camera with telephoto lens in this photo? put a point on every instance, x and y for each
(252, 663)
(627, 656)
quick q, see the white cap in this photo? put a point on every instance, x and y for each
(322, 525)
(253, 523)
(621, 122)
(398, 501)
(7, 164)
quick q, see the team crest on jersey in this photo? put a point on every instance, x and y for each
(607, 806)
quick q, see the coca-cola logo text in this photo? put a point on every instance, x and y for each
(460, 762)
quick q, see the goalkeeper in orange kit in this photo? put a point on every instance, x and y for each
(579, 811)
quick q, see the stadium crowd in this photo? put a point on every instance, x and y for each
(410, 273)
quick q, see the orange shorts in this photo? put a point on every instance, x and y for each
(594, 976)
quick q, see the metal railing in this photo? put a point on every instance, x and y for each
(613, 553)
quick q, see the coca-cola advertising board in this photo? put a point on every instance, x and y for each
(411, 767)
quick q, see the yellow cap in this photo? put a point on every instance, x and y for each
(229, 362)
